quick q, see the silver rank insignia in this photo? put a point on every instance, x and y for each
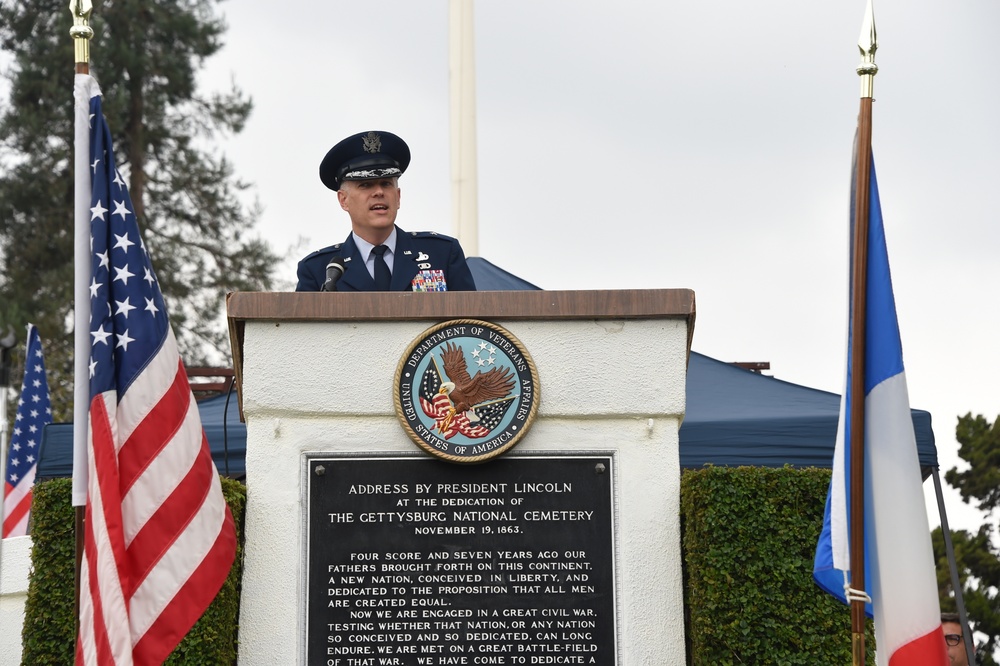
(372, 142)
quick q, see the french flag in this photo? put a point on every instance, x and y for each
(899, 560)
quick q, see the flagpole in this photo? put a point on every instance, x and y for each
(462, 83)
(867, 44)
(81, 32)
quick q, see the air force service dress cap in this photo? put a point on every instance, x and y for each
(364, 156)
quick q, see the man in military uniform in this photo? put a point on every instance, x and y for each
(379, 256)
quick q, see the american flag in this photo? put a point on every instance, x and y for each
(439, 409)
(33, 414)
(159, 539)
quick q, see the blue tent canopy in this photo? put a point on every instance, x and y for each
(738, 417)
(734, 416)
(490, 277)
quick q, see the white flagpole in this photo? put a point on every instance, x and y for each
(462, 82)
(81, 33)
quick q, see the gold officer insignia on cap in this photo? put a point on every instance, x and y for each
(372, 142)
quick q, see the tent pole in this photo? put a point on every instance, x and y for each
(956, 584)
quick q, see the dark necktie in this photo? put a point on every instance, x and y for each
(382, 274)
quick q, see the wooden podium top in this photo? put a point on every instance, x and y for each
(441, 306)
(346, 306)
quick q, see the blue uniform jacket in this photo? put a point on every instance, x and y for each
(415, 251)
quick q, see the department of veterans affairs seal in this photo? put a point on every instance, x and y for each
(466, 391)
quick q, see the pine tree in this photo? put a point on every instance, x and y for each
(976, 555)
(146, 55)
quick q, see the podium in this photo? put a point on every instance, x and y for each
(362, 548)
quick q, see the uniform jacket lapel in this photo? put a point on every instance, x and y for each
(404, 262)
(356, 277)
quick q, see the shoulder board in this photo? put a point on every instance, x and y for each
(430, 234)
(326, 250)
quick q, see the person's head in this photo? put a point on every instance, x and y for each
(364, 169)
(372, 204)
(954, 637)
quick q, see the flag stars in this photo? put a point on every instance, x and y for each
(95, 286)
(123, 242)
(120, 209)
(103, 256)
(151, 306)
(123, 340)
(148, 277)
(97, 213)
(100, 335)
(118, 180)
(93, 367)
(93, 166)
(124, 307)
(123, 274)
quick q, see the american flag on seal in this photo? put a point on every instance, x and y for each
(159, 539)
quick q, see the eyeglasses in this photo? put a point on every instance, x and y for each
(953, 639)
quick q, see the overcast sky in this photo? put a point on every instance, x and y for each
(702, 145)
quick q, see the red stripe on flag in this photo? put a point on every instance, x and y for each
(928, 650)
(97, 630)
(15, 515)
(106, 468)
(171, 517)
(155, 431)
(196, 594)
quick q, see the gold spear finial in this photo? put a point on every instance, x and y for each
(81, 32)
(868, 43)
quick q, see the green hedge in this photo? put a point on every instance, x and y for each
(749, 538)
(49, 632)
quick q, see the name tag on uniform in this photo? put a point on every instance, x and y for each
(432, 280)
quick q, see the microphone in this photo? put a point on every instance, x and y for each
(334, 270)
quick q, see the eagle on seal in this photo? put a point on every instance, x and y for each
(464, 392)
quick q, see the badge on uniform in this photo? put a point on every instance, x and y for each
(432, 280)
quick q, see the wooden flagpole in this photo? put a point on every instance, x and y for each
(867, 43)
